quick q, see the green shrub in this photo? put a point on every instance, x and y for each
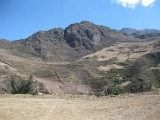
(24, 87)
(114, 91)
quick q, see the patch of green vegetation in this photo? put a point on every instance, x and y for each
(113, 91)
(114, 76)
(24, 87)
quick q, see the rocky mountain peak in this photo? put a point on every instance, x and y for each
(85, 35)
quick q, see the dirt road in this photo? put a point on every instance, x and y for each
(80, 107)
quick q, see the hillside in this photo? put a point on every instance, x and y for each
(83, 57)
(126, 66)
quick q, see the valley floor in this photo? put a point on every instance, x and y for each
(80, 107)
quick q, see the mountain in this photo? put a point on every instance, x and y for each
(145, 33)
(75, 41)
(87, 37)
(83, 57)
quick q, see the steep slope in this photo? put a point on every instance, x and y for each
(49, 45)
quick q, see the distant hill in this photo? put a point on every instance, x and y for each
(145, 33)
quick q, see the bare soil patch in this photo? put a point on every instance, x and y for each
(54, 86)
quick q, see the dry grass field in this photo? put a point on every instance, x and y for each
(144, 106)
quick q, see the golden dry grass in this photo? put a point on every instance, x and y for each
(74, 107)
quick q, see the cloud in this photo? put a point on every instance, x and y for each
(128, 3)
(147, 2)
(133, 3)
